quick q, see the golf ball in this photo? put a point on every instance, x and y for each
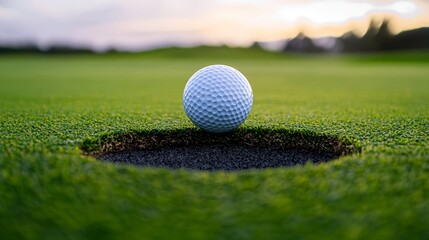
(217, 98)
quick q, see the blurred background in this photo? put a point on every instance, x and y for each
(322, 26)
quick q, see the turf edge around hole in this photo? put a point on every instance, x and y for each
(198, 150)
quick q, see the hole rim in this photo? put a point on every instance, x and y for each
(276, 139)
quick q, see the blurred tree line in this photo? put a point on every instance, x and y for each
(378, 38)
(33, 48)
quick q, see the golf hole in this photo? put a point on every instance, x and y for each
(198, 150)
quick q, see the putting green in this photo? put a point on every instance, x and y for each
(52, 106)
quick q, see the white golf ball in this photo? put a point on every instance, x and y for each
(218, 98)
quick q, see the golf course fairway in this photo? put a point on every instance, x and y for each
(53, 108)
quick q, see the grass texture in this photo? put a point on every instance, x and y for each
(52, 106)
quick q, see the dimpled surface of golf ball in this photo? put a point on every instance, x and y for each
(218, 98)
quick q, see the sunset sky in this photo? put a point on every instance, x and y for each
(136, 24)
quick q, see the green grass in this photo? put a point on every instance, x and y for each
(51, 105)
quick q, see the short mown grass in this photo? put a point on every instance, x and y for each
(52, 106)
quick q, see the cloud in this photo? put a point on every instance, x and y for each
(143, 24)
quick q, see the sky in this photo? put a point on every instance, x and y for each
(146, 24)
